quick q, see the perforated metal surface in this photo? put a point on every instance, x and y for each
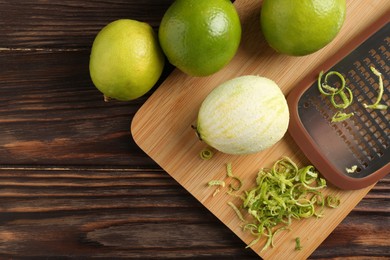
(362, 141)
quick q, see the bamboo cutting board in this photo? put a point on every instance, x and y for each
(162, 128)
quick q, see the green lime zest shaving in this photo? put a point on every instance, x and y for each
(276, 232)
(238, 186)
(298, 244)
(282, 193)
(341, 116)
(330, 90)
(216, 183)
(308, 175)
(332, 201)
(346, 102)
(376, 104)
(352, 169)
(206, 154)
(229, 173)
(236, 210)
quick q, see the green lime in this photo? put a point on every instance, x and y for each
(126, 60)
(200, 36)
(301, 27)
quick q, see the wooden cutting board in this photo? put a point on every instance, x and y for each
(162, 128)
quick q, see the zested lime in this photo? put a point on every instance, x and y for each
(244, 115)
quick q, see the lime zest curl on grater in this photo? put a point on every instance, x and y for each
(346, 100)
(332, 92)
(376, 104)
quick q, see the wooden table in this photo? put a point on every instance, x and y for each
(73, 183)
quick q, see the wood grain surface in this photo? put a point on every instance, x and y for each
(73, 183)
(162, 128)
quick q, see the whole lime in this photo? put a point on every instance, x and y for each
(126, 59)
(301, 27)
(200, 36)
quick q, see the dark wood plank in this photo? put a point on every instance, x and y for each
(50, 113)
(68, 23)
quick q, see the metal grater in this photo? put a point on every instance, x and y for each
(354, 153)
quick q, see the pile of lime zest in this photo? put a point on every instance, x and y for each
(376, 104)
(282, 193)
(206, 154)
(298, 243)
(341, 116)
(332, 92)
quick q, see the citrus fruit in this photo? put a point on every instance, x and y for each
(200, 37)
(126, 60)
(301, 27)
(243, 115)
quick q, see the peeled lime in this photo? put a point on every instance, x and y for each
(244, 115)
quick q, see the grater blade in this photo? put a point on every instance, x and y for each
(354, 153)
